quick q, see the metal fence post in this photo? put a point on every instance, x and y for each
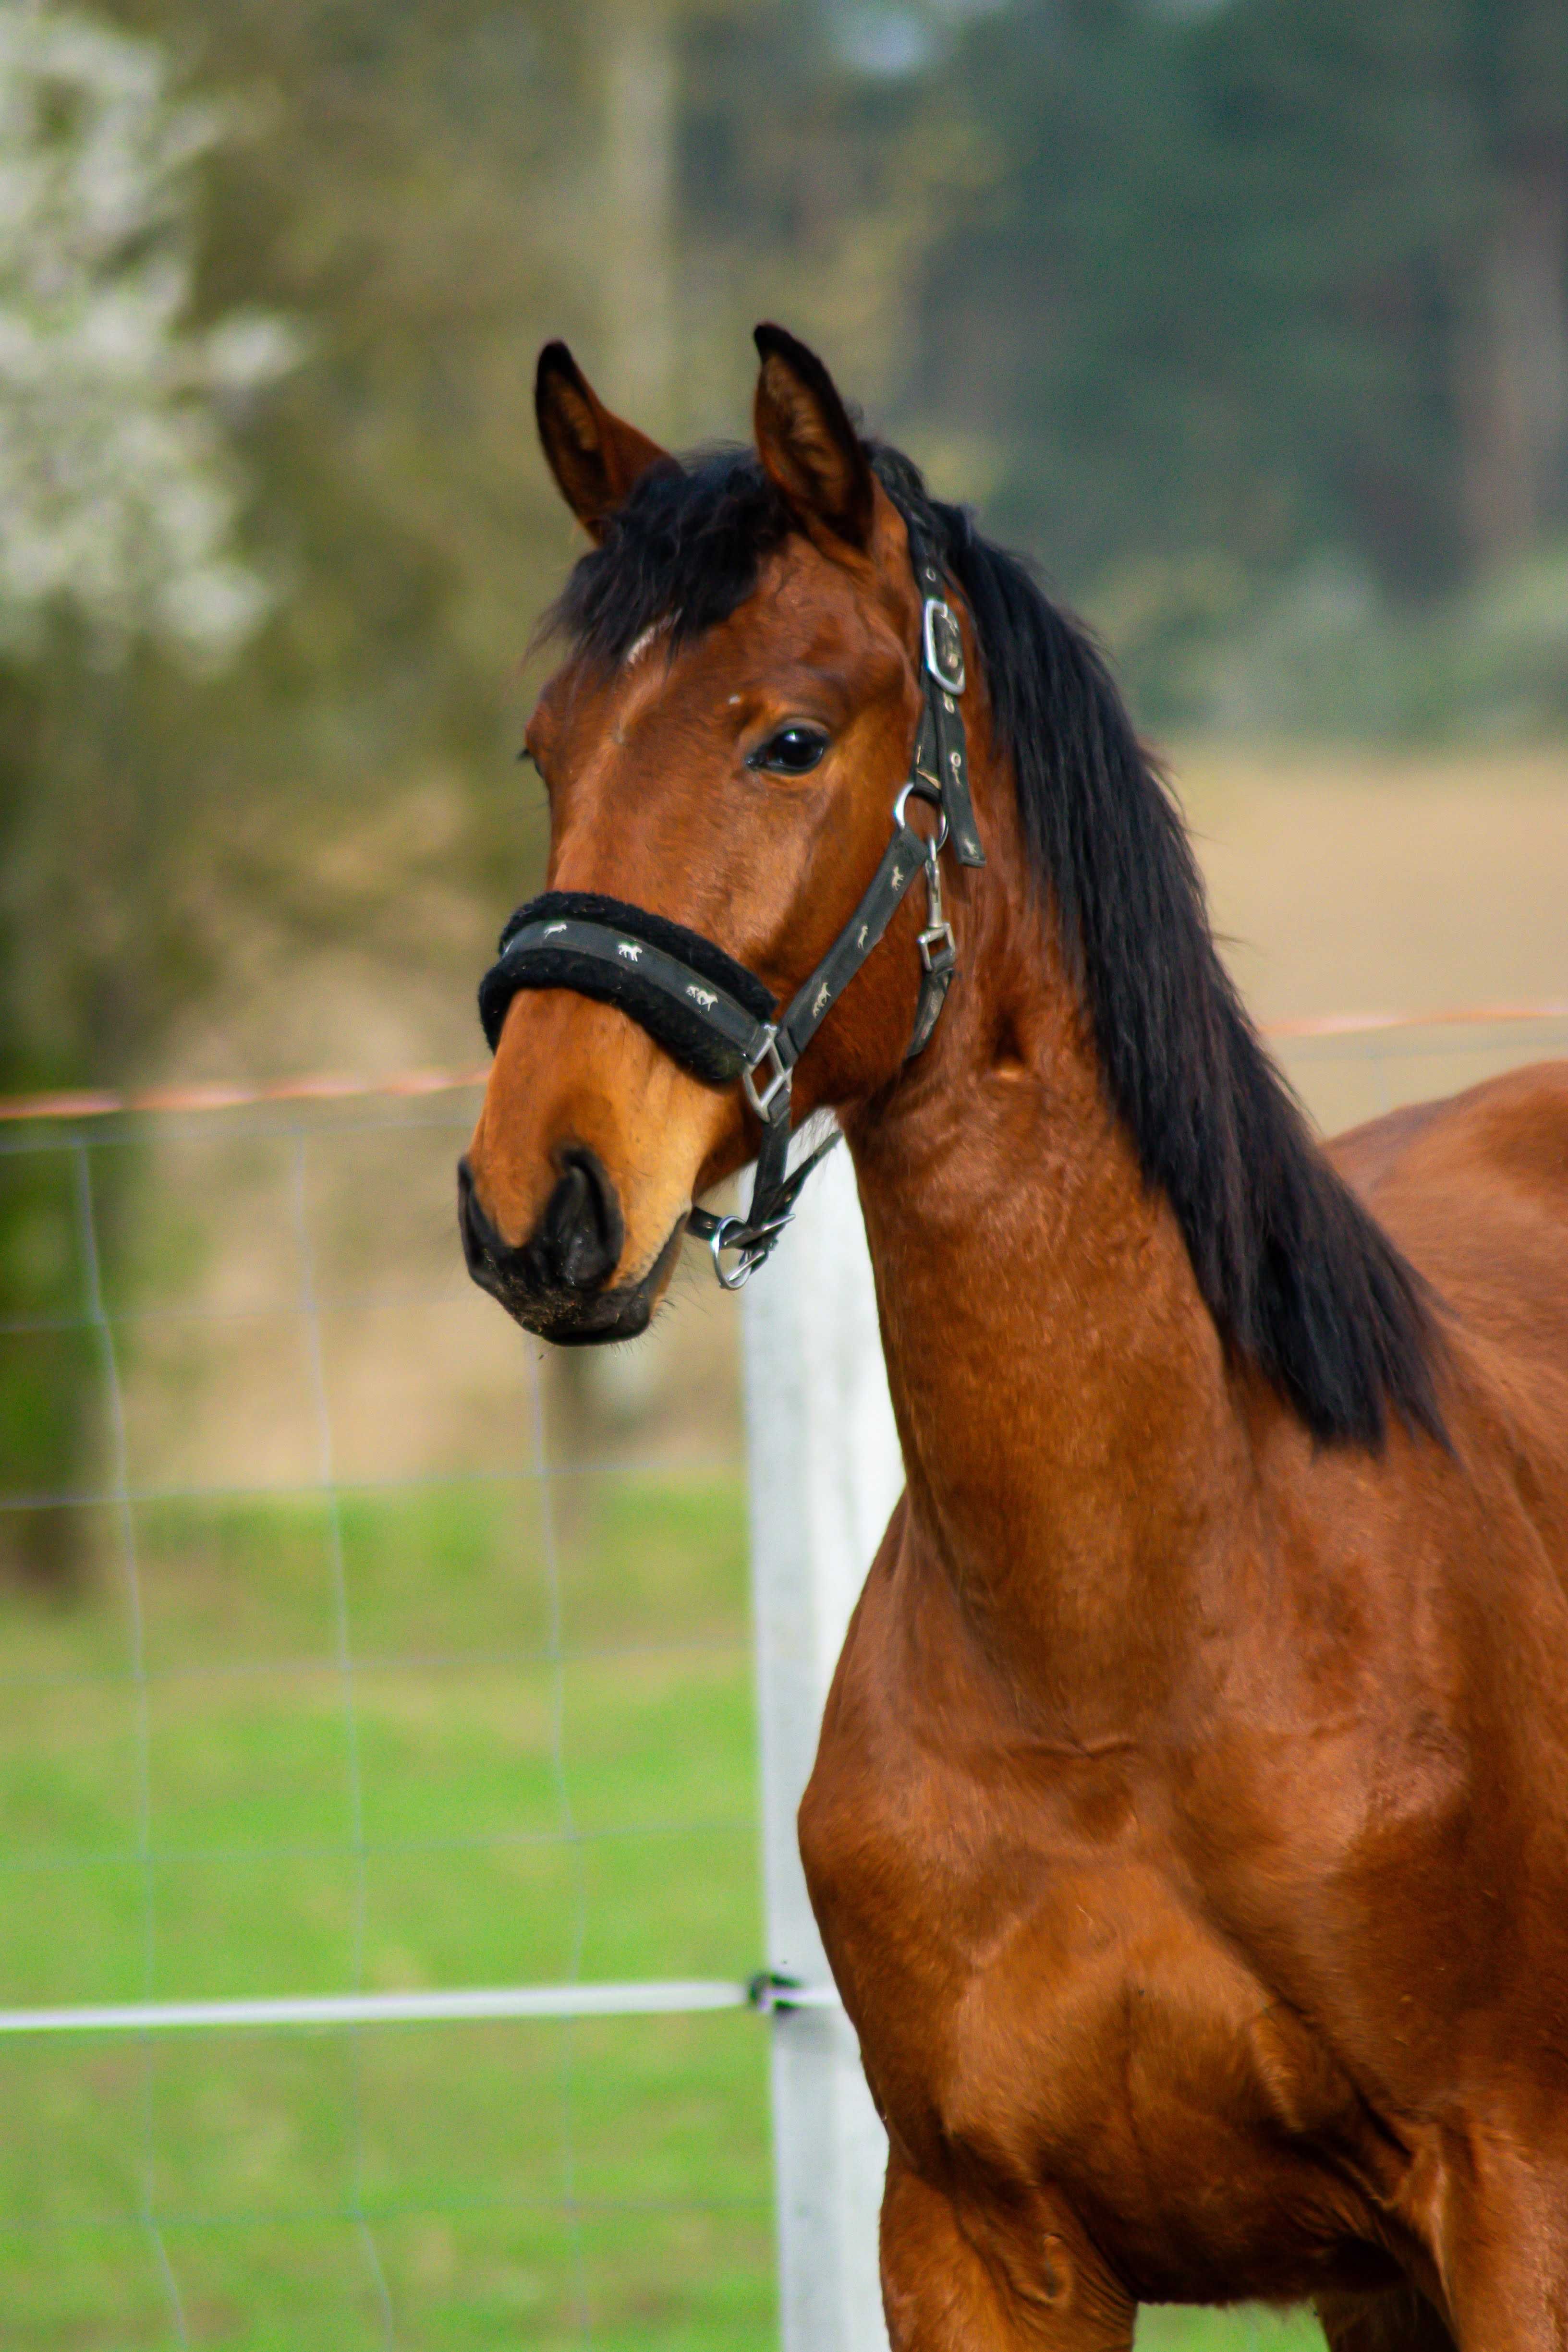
(825, 1473)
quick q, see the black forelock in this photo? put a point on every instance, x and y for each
(685, 550)
(1297, 1275)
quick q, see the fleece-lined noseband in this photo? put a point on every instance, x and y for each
(716, 1018)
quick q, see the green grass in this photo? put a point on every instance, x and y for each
(549, 1718)
(555, 1775)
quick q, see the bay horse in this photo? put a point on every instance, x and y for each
(1189, 1831)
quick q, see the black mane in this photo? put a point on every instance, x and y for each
(1295, 1274)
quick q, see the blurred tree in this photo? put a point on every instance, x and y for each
(118, 488)
(641, 132)
(1512, 358)
(824, 154)
(118, 504)
(1260, 279)
(115, 500)
(433, 189)
(424, 185)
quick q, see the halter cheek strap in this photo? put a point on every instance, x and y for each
(716, 1018)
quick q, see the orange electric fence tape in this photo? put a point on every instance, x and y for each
(330, 1086)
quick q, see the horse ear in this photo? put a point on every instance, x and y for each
(594, 457)
(810, 449)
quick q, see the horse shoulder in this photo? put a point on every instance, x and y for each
(1036, 1999)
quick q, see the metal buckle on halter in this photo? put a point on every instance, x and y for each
(943, 645)
(778, 1081)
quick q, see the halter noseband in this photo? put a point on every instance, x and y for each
(716, 1018)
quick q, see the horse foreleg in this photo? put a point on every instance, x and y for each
(1493, 2209)
(1397, 2319)
(1046, 2291)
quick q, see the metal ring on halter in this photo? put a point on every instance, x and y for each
(754, 1250)
(926, 792)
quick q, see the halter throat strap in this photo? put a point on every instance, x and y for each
(718, 1020)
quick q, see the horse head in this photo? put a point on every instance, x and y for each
(721, 748)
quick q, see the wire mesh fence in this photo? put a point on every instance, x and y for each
(365, 1657)
(354, 1649)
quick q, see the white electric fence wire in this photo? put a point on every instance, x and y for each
(568, 1830)
(355, 1788)
(662, 1997)
(119, 1457)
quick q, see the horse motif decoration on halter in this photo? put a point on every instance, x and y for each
(1189, 1830)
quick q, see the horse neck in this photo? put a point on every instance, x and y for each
(1070, 1435)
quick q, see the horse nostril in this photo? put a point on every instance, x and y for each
(482, 1245)
(580, 1237)
(576, 1244)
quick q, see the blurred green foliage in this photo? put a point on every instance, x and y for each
(1260, 288)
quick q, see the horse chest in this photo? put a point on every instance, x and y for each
(1035, 2004)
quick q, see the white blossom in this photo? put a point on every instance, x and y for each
(118, 492)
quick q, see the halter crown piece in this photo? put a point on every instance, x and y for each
(717, 1019)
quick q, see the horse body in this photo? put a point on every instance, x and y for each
(1189, 1833)
(1198, 1822)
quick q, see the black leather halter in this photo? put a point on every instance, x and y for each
(716, 1018)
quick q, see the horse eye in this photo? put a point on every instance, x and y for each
(793, 752)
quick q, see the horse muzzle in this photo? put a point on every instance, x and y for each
(555, 1284)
